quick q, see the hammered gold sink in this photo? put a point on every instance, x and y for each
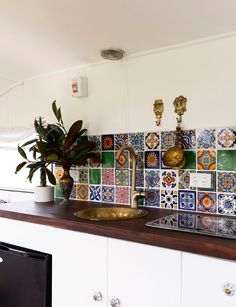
(110, 214)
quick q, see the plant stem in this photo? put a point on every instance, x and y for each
(43, 180)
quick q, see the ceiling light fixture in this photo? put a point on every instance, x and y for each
(112, 54)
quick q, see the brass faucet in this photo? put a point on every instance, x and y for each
(134, 193)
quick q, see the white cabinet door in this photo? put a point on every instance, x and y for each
(79, 269)
(203, 281)
(143, 276)
(79, 261)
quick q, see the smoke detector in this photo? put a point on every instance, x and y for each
(113, 54)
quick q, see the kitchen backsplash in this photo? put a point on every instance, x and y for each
(206, 150)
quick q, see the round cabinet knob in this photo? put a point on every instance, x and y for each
(115, 302)
(97, 296)
(229, 289)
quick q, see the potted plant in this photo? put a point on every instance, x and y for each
(43, 192)
(66, 148)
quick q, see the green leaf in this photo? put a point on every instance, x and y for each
(50, 176)
(29, 142)
(20, 166)
(22, 152)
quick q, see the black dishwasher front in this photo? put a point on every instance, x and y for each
(25, 277)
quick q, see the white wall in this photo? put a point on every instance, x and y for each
(121, 94)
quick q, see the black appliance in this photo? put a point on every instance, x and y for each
(25, 277)
(211, 225)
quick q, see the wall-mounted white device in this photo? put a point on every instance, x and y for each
(80, 87)
(200, 180)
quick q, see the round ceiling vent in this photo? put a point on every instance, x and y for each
(112, 54)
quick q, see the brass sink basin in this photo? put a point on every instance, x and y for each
(109, 214)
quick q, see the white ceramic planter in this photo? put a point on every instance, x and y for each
(44, 194)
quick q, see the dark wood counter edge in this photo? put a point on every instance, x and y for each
(130, 230)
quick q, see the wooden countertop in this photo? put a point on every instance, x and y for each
(134, 230)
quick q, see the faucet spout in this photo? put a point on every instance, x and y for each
(134, 194)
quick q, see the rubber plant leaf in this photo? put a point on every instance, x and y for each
(20, 166)
(73, 132)
(22, 152)
(50, 176)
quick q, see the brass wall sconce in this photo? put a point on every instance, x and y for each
(180, 108)
(174, 156)
(158, 108)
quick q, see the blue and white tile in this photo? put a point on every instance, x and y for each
(206, 138)
(136, 141)
(187, 200)
(227, 204)
(94, 193)
(153, 198)
(152, 179)
(169, 199)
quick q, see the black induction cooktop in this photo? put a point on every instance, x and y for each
(197, 223)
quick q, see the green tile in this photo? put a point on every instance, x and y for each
(226, 160)
(190, 157)
(108, 159)
(94, 176)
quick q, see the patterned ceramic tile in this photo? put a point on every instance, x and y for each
(122, 177)
(213, 181)
(207, 202)
(83, 176)
(94, 193)
(169, 199)
(123, 160)
(188, 139)
(226, 182)
(206, 159)
(108, 159)
(190, 157)
(139, 160)
(227, 204)
(108, 176)
(226, 138)
(108, 142)
(136, 141)
(167, 139)
(169, 179)
(95, 176)
(153, 198)
(82, 191)
(206, 138)
(122, 195)
(152, 159)
(92, 163)
(97, 140)
(226, 160)
(152, 140)
(152, 179)
(184, 179)
(121, 140)
(187, 200)
(139, 178)
(108, 194)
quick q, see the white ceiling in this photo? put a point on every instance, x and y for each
(37, 37)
